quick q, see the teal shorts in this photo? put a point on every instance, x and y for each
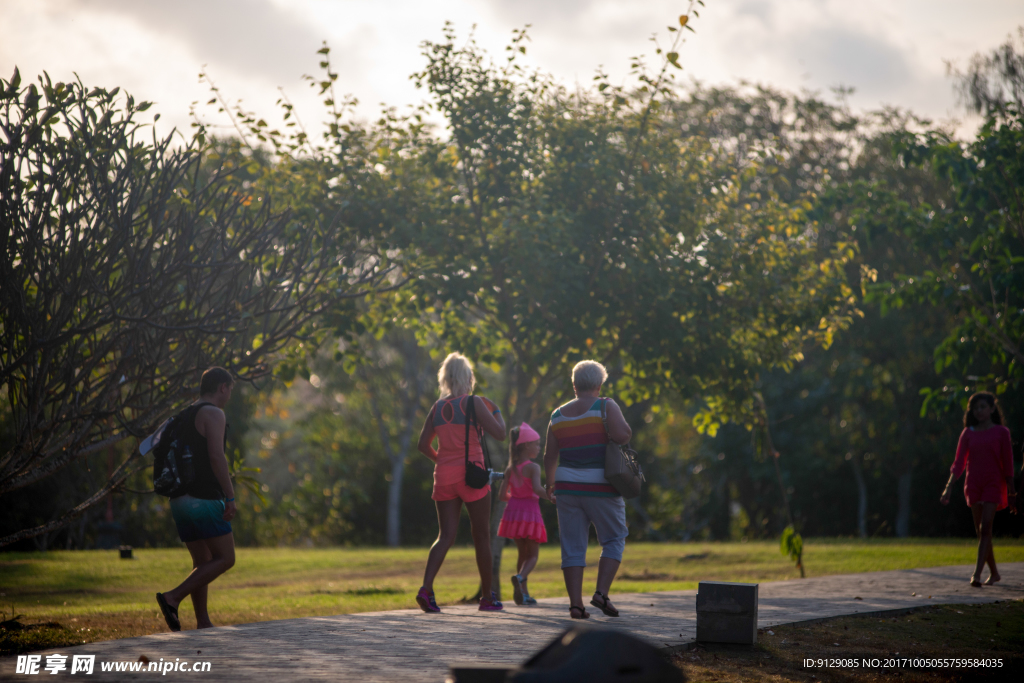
(198, 518)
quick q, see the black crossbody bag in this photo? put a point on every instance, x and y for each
(476, 477)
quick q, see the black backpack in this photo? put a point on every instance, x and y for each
(173, 469)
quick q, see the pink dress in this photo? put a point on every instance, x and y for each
(522, 517)
(987, 456)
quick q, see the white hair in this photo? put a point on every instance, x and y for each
(456, 377)
(588, 375)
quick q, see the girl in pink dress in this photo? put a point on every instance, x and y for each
(522, 521)
(985, 453)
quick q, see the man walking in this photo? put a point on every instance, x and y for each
(203, 515)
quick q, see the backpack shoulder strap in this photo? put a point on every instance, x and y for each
(188, 413)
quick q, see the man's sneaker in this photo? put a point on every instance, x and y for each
(425, 599)
(491, 605)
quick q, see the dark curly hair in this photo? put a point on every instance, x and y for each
(970, 420)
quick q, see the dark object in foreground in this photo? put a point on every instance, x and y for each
(580, 655)
(126, 552)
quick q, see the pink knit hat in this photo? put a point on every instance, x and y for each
(527, 434)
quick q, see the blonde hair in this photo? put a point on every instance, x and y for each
(456, 377)
(588, 375)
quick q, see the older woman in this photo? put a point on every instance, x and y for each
(574, 465)
(447, 422)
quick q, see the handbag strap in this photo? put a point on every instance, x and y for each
(471, 416)
(604, 421)
(604, 418)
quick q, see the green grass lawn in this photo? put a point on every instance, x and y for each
(97, 596)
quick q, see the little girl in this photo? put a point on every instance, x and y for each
(522, 521)
(985, 452)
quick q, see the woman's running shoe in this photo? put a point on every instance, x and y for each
(490, 605)
(425, 599)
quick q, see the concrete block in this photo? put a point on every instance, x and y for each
(727, 612)
(727, 598)
(726, 628)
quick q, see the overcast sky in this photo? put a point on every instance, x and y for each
(893, 52)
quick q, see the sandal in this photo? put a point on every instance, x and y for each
(170, 613)
(604, 605)
(583, 612)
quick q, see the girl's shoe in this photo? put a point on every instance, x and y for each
(517, 589)
(491, 604)
(527, 600)
(425, 599)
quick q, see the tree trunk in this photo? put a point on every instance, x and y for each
(409, 400)
(862, 498)
(649, 529)
(903, 504)
(497, 544)
(515, 379)
(394, 537)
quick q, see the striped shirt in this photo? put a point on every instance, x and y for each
(581, 446)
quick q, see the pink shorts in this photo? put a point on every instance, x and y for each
(460, 490)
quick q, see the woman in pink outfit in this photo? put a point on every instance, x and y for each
(985, 453)
(522, 521)
(458, 442)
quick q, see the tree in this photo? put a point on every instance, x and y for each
(395, 374)
(578, 224)
(974, 246)
(129, 267)
(994, 81)
(850, 408)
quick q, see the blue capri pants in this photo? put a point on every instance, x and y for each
(577, 513)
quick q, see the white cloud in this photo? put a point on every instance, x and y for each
(891, 53)
(254, 38)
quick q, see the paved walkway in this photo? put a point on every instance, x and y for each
(408, 645)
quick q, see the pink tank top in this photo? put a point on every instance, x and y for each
(450, 427)
(524, 489)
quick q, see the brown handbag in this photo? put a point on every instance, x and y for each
(621, 468)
